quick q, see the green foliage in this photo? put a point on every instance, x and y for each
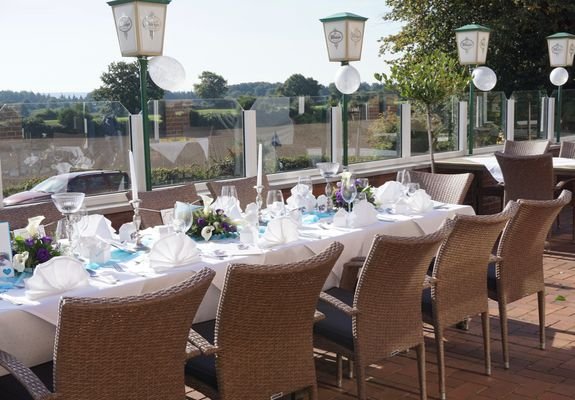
(298, 85)
(211, 86)
(122, 83)
(189, 173)
(40, 249)
(383, 131)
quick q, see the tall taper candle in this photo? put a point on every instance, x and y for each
(260, 165)
(133, 176)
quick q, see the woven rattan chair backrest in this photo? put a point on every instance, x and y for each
(126, 348)
(162, 199)
(567, 149)
(388, 294)
(527, 177)
(526, 147)
(460, 268)
(264, 326)
(522, 244)
(18, 216)
(445, 188)
(244, 188)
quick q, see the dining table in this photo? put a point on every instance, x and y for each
(28, 327)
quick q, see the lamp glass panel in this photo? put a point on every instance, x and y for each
(467, 47)
(354, 40)
(558, 52)
(482, 46)
(335, 34)
(125, 19)
(151, 18)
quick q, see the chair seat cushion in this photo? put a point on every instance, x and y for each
(492, 281)
(336, 326)
(203, 368)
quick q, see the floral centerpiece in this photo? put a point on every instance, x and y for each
(338, 200)
(33, 249)
(209, 223)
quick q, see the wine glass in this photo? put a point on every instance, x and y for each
(348, 191)
(403, 177)
(328, 170)
(68, 203)
(183, 216)
(304, 184)
(229, 191)
(275, 203)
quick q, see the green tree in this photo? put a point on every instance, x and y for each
(517, 46)
(298, 85)
(122, 83)
(211, 86)
(427, 81)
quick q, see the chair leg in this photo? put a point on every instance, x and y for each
(541, 303)
(360, 380)
(486, 342)
(504, 332)
(440, 360)
(339, 364)
(350, 369)
(420, 349)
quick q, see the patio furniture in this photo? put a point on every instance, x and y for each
(18, 215)
(519, 271)
(120, 348)
(459, 277)
(244, 188)
(445, 188)
(525, 147)
(383, 316)
(262, 334)
(567, 150)
(155, 201)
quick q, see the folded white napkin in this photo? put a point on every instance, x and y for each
(420, 202)
(57, 275)
(301, 197)
(340, 218)
(172, 251)
(251, 214)
(388, 193)
(126, 231)
(230, 205)
(363, 213)
(95, 225)
(279, 231)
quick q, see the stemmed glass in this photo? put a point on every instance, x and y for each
(348, 191)
(275, 203)
(183, 216)
(68, 203)
(328, 170)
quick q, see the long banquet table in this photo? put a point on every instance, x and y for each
(28, 330)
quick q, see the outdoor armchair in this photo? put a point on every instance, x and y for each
(17, 216)
(525, 147)
(445, 188)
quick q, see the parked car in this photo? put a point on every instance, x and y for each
(89, 182)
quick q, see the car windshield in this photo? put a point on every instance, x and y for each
(54, 184)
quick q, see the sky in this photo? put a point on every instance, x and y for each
(63, 46)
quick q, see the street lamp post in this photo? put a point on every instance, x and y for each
(344, 40)
(472, 42)
(561, 48)
(140, 27)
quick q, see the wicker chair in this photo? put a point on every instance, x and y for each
(130, 348)
(244, 188)
(459, 278)
(378, 320)
(526, 147)
(445, 188)
(567, 150)
(519, 272)
(527, 177)
(157, 200)
(18, 215)
(262, 333)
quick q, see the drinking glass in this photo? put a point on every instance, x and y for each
(412, 187)
(183, 216)
(306, 185)
(68, 203)
(403, 177)
(275, 203)
(328, 170)
(229, 191)
(348, 191)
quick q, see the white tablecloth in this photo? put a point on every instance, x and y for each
(27, 331)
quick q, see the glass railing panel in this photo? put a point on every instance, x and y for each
(374, 126)
(444, 124)
(40, 141)
(527, 123)
(195, 140)
(295, 132)
(489, 118)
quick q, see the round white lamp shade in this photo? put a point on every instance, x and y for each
(167, 73)
(559, 76)
(347, 79)
(484, 78)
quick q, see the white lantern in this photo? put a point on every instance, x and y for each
(344, 36)
(484, 78)
(561, 49)
(347, 79)
(472, 42)
(140, 26)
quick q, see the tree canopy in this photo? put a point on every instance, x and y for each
(122, 83)
(517, 46)
(298, 85)
(211, 86)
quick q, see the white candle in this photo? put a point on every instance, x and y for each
(133, 176)
(260, 165)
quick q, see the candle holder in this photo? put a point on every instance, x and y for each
(137, 220)
(259, 199)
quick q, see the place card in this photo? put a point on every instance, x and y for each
(6, 269)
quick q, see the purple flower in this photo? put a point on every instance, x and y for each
(201, 222)
(43, 255)
(233, 228)
(47, 240)
(29, 242)
(219, 211)
(225, 226)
